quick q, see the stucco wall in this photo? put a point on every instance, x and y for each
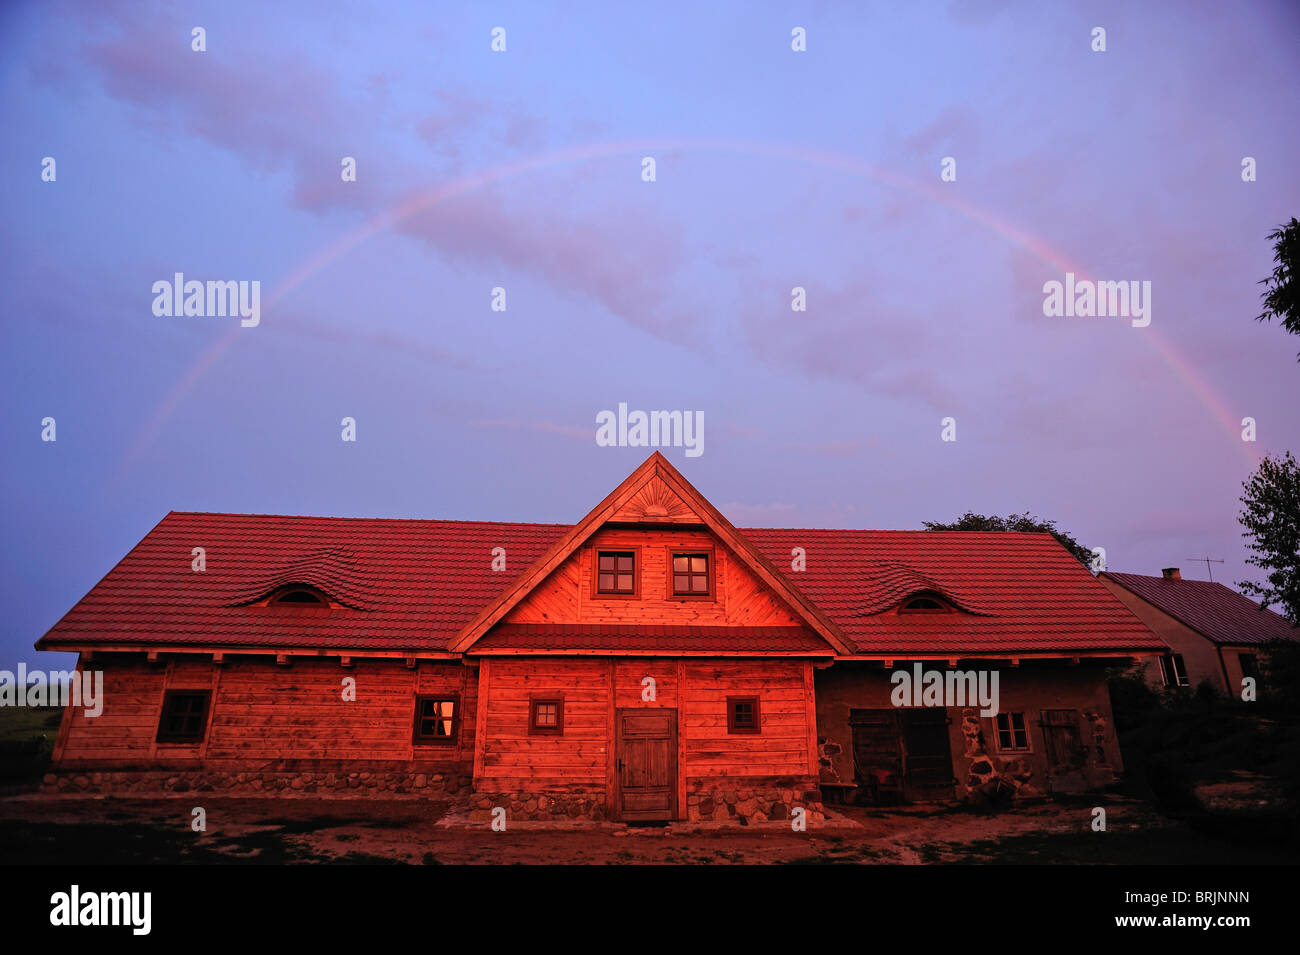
(978, 762)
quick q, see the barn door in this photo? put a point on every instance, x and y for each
(902, 754)
(1066, 758)
(928, 770)
(877, 755)
(645, 765)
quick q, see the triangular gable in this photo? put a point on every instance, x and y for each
(655, 492)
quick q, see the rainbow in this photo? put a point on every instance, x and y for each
(427, 199)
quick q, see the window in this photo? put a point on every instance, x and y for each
(184, 716)
(923, 605)
(616, 572)
(546, 716)
(300, 595)
(1172, 670)
(1249, 665)
(691, 576)
(1011, 731)
(742, 714)
(436, 719)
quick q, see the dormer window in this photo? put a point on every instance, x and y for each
(924, 604)
(299, 596)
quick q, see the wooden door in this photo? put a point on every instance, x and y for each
(902, 754)
(645, 753)
(928, 770)
(1066, 757)
(877, 755)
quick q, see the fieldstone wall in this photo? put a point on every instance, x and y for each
(454, 786)
(747, 800)
(989, 777)
(560, 806)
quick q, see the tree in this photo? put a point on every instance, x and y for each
(1272, 517)
(1015, 522)
(1282, 289)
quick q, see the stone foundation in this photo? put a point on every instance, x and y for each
(453, 786)
(567, 805)
(750, 800)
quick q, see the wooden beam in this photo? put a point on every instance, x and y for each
(345, 662)
(282, 659)
(152, 657)
(810, 714)
(683, 810)
(480, 720)
(218, 658)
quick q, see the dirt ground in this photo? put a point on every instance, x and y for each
(77, 830)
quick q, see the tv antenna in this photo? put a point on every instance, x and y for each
(1208, 561)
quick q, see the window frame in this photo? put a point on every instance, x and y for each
(596, 592)
(1172, 663)
(733, 728)
(539, 699)
(452, 738)
(1012, 730)
(164, 736)
(708, 553)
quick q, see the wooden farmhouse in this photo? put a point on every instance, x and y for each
(651, 662)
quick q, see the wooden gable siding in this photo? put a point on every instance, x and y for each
(656, 502)
(568, 594)
(263, 712)
(595, 689)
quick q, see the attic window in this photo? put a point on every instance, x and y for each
(691, 575)
(616, 572)
(923, 605)
(299, 595)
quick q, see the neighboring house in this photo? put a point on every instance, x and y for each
(1214, 633)
(650, 662)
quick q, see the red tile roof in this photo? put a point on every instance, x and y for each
(406, 584)
(414, 584)
(1025, 592)
(1213, 610)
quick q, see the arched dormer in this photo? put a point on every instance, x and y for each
(298, 595)
(926, 601)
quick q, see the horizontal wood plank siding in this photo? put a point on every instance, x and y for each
(780, 749)
(263, 712)
(514, 760)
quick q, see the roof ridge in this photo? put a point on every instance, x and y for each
(569, 524)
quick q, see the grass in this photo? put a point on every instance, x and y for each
(26, 741)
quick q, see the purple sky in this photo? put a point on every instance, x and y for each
(522, 170)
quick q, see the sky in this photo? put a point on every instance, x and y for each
(523, 169)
